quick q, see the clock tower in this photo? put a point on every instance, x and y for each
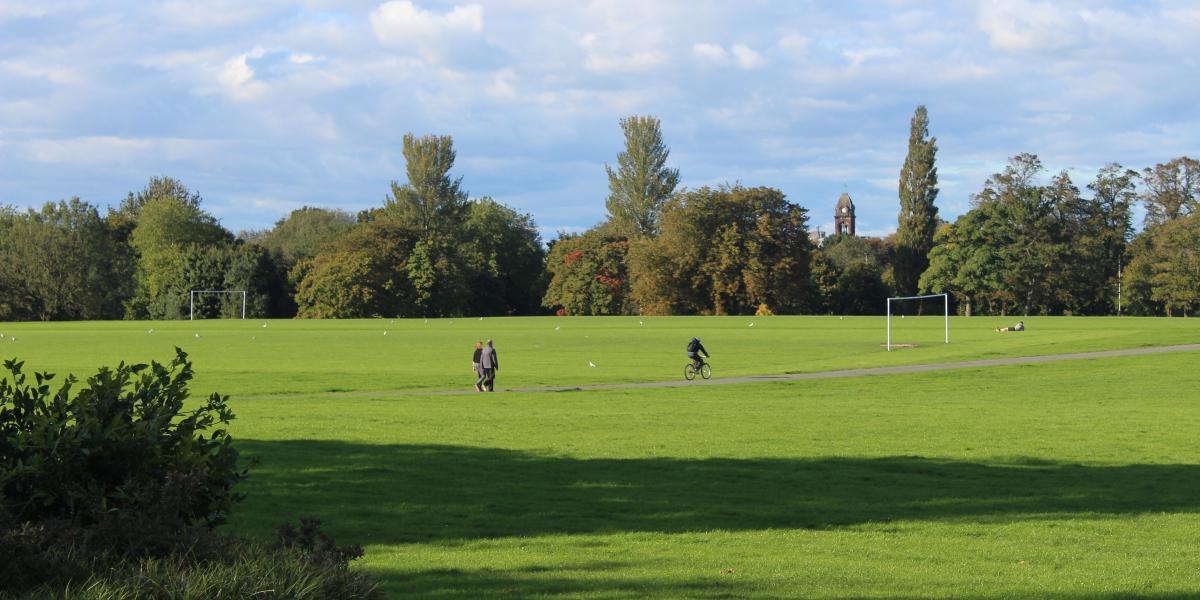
(843, 217)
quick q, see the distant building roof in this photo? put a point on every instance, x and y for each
(844, 200)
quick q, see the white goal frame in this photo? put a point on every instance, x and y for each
(192, 300)
(946, 303)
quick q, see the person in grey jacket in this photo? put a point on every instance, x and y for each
(490, 363)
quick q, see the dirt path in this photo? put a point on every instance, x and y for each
(969, 364)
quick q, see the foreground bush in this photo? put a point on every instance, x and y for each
(114, 491)
(121, 451)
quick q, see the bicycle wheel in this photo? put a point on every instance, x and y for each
(705, 371)
(689, 371)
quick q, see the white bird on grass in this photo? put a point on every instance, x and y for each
(264, 325)
(197, 335)
(591, 364)
(151, 331)
(385, 333)
(752, 323)
(640, 323)
(556, 327)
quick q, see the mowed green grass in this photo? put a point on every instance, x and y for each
(260, 357)
(1076, 479)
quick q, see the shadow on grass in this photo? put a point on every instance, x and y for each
(392, 494)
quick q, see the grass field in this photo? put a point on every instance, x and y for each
(1066, 480)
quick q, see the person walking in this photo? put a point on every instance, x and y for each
(490, 364)
(475, 366)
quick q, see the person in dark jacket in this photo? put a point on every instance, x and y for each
(490, 364)
(476, 368)
(694, 348)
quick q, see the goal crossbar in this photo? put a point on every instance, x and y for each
(192, 300)
(946, 314)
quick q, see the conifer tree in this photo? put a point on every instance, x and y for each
(918, 215)
(642, 182)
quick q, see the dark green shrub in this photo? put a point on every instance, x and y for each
(114, 491)
(121, 453)
(242, 569)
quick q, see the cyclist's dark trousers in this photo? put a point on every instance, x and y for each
(695, 359)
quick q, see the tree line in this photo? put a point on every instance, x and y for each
(1028, 245)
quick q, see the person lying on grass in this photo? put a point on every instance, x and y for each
(1020, 326)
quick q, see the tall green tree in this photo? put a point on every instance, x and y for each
(918, 217)
(726, 250)
(589, 274)
(364, 273)
(1172, 190)
(1097, 230)
(504, 259)
(166, 227)
(300, 235)
(304, 232)
(430, 202)
(851, 277)
(641, 182)
(1163, 276)
(61, 262)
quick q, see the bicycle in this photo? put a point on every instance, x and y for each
(690, 370)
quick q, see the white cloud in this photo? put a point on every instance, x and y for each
(115, 150)
(744, 56)
(633, 62)
(858, 57)
(20, 10)
(236, 76)
(1020, 25)
(711, 52)
(794, 43)
(400, 21)
(301, 58)
(503, 84)
(747, 58)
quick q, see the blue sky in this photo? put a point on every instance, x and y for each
(266, 106)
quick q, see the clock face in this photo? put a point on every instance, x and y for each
(845, 210)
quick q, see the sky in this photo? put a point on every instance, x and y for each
(266, 106)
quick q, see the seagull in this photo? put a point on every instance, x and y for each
(640, 323)
(480, 318)
(197, 335)
(752, 323)
(151, 331)
(385, 333)
(591, 364)
(556, 327)
(264, 325)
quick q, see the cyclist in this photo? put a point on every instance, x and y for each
(694, 348)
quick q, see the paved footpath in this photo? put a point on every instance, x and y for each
(969, 364)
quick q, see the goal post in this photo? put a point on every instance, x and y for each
(192, 300)
(945, 314)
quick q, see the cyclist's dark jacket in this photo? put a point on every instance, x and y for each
(694, 347)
